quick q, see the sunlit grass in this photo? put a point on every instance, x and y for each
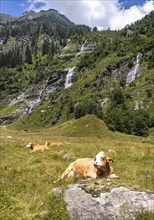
(27, 178)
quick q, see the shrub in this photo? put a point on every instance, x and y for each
(88, 107)
(151, 122)
(149, 93)
(116, 97)
(140, 128)
(118, 117)
(140, 123)
(79, 110)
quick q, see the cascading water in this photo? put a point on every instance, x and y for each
(68, 81)
(34, 103)
(82, 49)
(133, 72)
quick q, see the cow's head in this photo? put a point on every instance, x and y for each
(47, 144)
(29, 145)
(101, 160)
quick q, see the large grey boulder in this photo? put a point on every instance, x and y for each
(119, 203)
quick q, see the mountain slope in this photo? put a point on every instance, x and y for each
(4, 18)
(94, 65)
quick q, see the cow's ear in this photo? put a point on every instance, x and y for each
(110, 160)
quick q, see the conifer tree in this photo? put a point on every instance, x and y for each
(45, 47)
(28, 55)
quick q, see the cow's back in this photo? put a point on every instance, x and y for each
(83, 165)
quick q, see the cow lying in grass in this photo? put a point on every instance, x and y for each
(37, 147)
(53, 144)
(97, 167)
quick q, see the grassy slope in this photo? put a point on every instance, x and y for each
(27, 178)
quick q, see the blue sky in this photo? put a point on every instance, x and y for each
(128, 3)
(114, 14)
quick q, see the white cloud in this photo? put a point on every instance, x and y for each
(104, 14)
(124, 17)
(99, 28)
(148, 7)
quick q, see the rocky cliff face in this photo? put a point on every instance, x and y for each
(29, 99)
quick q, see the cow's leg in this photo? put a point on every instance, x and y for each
(67, 173)
(91, 175)
(113, 176)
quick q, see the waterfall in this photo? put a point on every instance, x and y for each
(68, 81)
(82, 49)
(133, 72)
(34, 103)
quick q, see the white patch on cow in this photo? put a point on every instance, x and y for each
(113, 176)
(29, 145)
(98, 159)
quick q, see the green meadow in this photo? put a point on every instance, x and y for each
(26, 178)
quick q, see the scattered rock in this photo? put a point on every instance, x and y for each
(98, 181)
(105, 102)
(42, 111)
(109, 183)
(7, 120)
(57, 191)
(63, 154)
(110, 151)
(118, 203)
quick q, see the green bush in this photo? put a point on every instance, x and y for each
(88, 107)
(151, 122)
(116, 97)
(140, 123)
(120, 118)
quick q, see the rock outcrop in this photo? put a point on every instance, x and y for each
(29, 99)
(118, 203)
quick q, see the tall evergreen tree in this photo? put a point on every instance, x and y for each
(45, 47)
(28, 55)
(1, 59)
(52, 48)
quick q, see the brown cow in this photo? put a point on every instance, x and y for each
(37, 147)
(53, 144)
(97, 167)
